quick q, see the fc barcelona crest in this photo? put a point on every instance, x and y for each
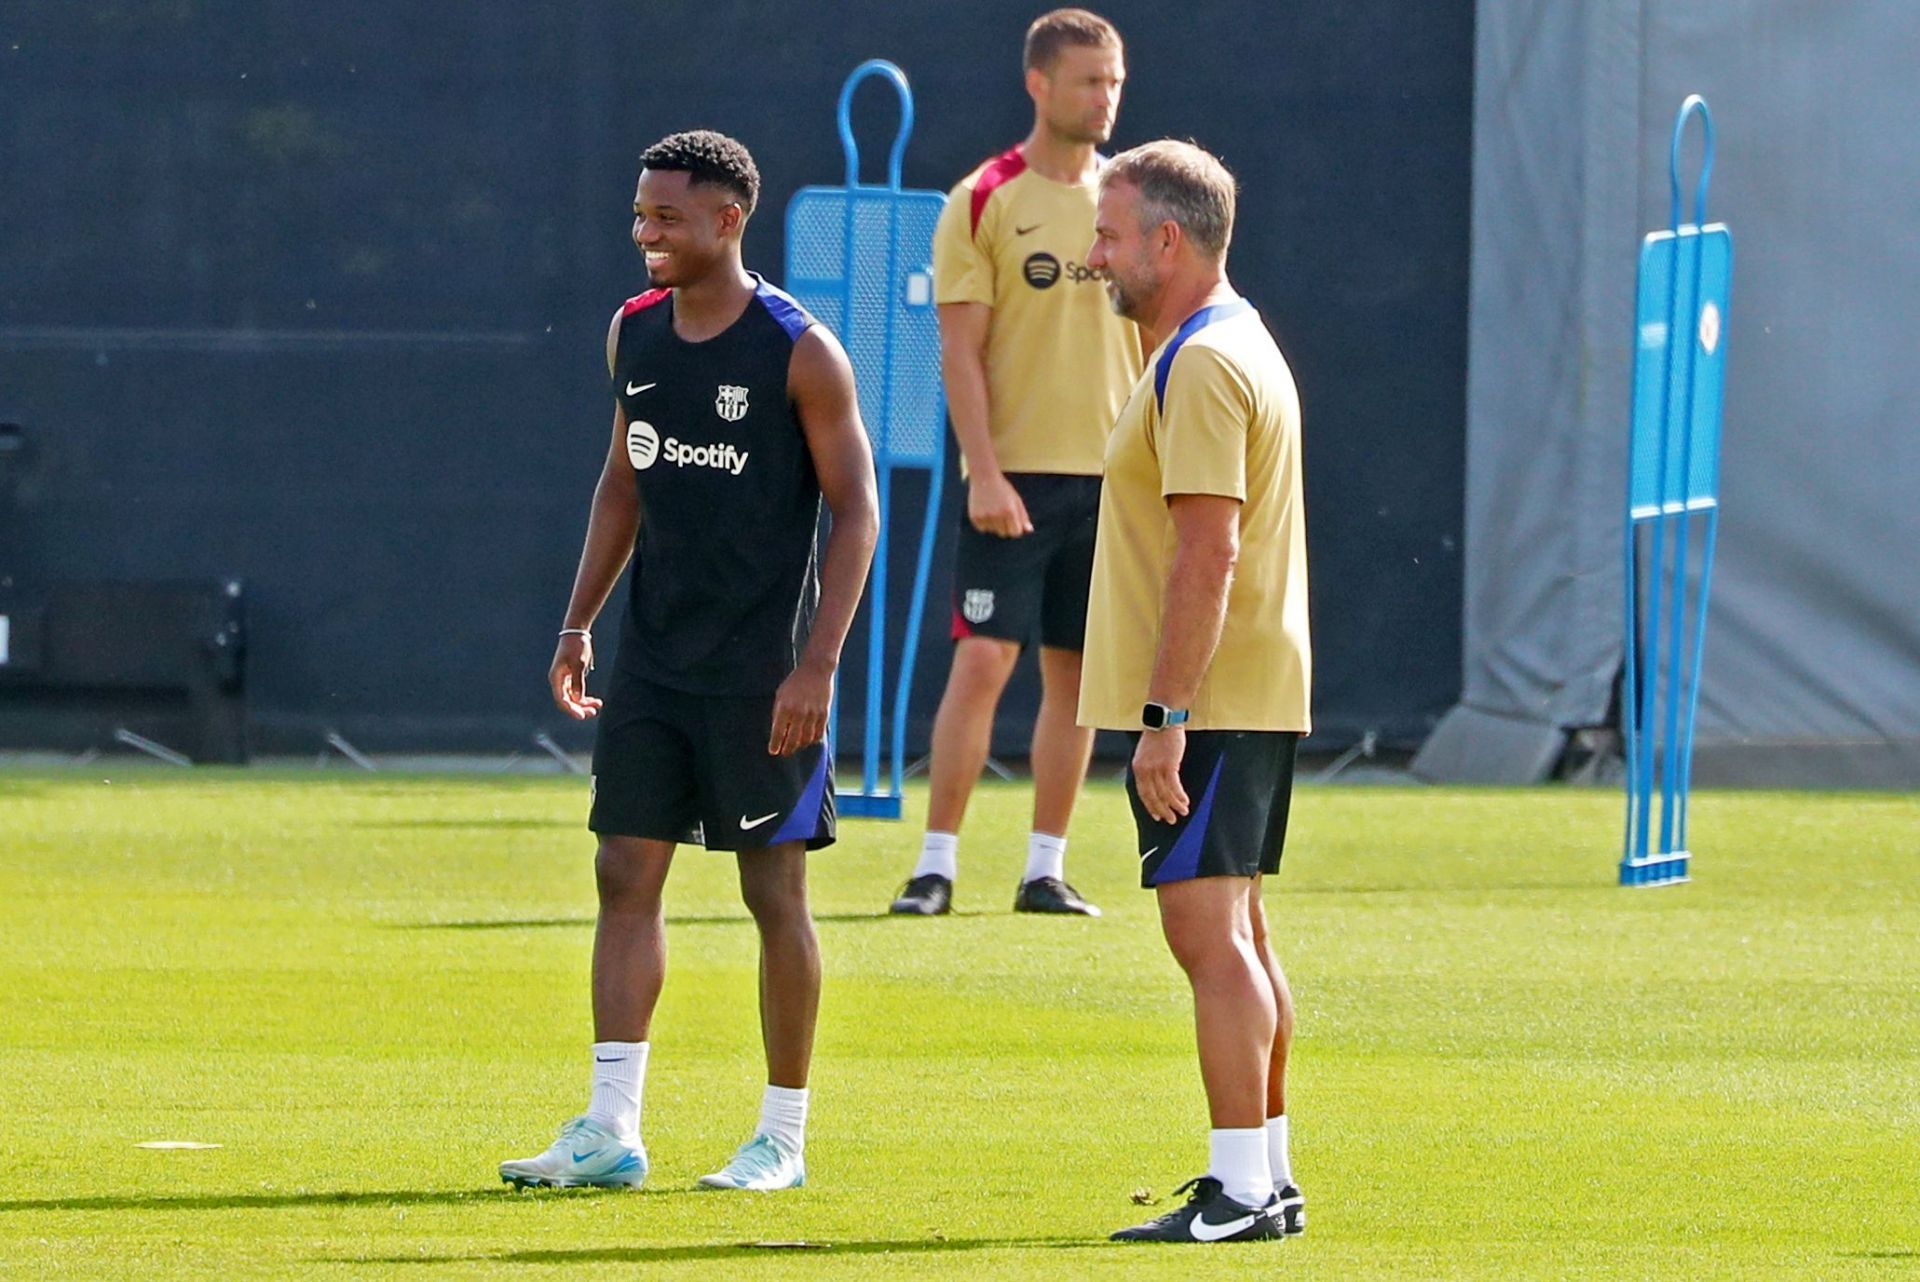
(976, 605)
(731, 404)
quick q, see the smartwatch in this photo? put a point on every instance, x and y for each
(1158, 716)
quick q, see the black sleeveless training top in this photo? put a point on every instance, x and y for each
(724, 574)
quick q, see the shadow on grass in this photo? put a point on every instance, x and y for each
(1601, 882)
(545, 923)
(1878, 1255)
(283, 1201)
(473, 825)
(731, 1251)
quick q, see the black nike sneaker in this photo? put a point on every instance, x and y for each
(1209, 1216)
(1290, 1209)
(1051, 895)
(928, 895)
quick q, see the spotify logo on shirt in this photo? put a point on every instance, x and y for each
(1042, 270)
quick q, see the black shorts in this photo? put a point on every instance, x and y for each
(695, 768)
(1239, 786)
(1011, 589)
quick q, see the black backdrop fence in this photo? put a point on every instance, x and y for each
(314, 296)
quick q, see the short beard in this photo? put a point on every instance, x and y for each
(1125, 296)
(1073, 132)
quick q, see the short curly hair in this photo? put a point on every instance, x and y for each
(709, 158)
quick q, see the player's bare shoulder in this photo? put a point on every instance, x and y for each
(613, 337)
(819, 365)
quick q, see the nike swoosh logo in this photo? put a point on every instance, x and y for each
(746, 823)
(1021, 231)
(594, 1152)
(1147, 853)
(1205, 1232)
(636, 389)
(614, 1060)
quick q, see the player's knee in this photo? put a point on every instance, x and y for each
(1204, 943)
(623, 877)
(775, 891)
(1059, 672)
(1257, 922)
(982, 666)
(1195, 945)
(777, 908)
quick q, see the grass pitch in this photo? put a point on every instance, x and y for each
(370, 990)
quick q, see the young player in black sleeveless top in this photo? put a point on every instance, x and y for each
(734, 414)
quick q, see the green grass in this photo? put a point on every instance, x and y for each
(370, 990)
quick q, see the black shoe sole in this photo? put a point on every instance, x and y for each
(1275, 1236)
(1058, 910)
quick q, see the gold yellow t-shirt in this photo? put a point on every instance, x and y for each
(1215, 412)
(1059, 361)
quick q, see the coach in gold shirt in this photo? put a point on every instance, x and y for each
(1036, 367)
(1197, 643)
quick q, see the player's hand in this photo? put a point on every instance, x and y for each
(995, 507)
(1156, 773)
(567, 678)
(800, 708)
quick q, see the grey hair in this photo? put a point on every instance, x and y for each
(1182, 184)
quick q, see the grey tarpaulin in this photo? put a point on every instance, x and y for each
(1812, 667)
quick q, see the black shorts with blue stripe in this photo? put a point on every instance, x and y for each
(674, 766)
(1239, 786)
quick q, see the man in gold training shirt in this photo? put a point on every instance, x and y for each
(1036, 367)
(1197, 644)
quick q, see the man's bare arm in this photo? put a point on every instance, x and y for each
(1206, 530)
(1206, 545)
(823, 391)
(993, 505)
(612, 522)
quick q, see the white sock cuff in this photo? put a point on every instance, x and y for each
(1239, 1162)
(1046, 856)
(939, 855)
(1279, 1159)
(783, 1115)
(619, 1076)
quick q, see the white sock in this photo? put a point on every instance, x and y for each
(939, 854)
(1046, 856)
(619, 1071)
(783, 1115)
(1239, 1162)
(1278, 1159)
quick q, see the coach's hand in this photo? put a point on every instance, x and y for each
(995, 507)
(800, 708)
(1156, 773)
(567, 678)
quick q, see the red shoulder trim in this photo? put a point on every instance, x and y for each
(1003, 168)
(640, 302)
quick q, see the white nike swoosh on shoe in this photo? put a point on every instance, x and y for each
(1205, 1232)
(746, 823)
(633, 390)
